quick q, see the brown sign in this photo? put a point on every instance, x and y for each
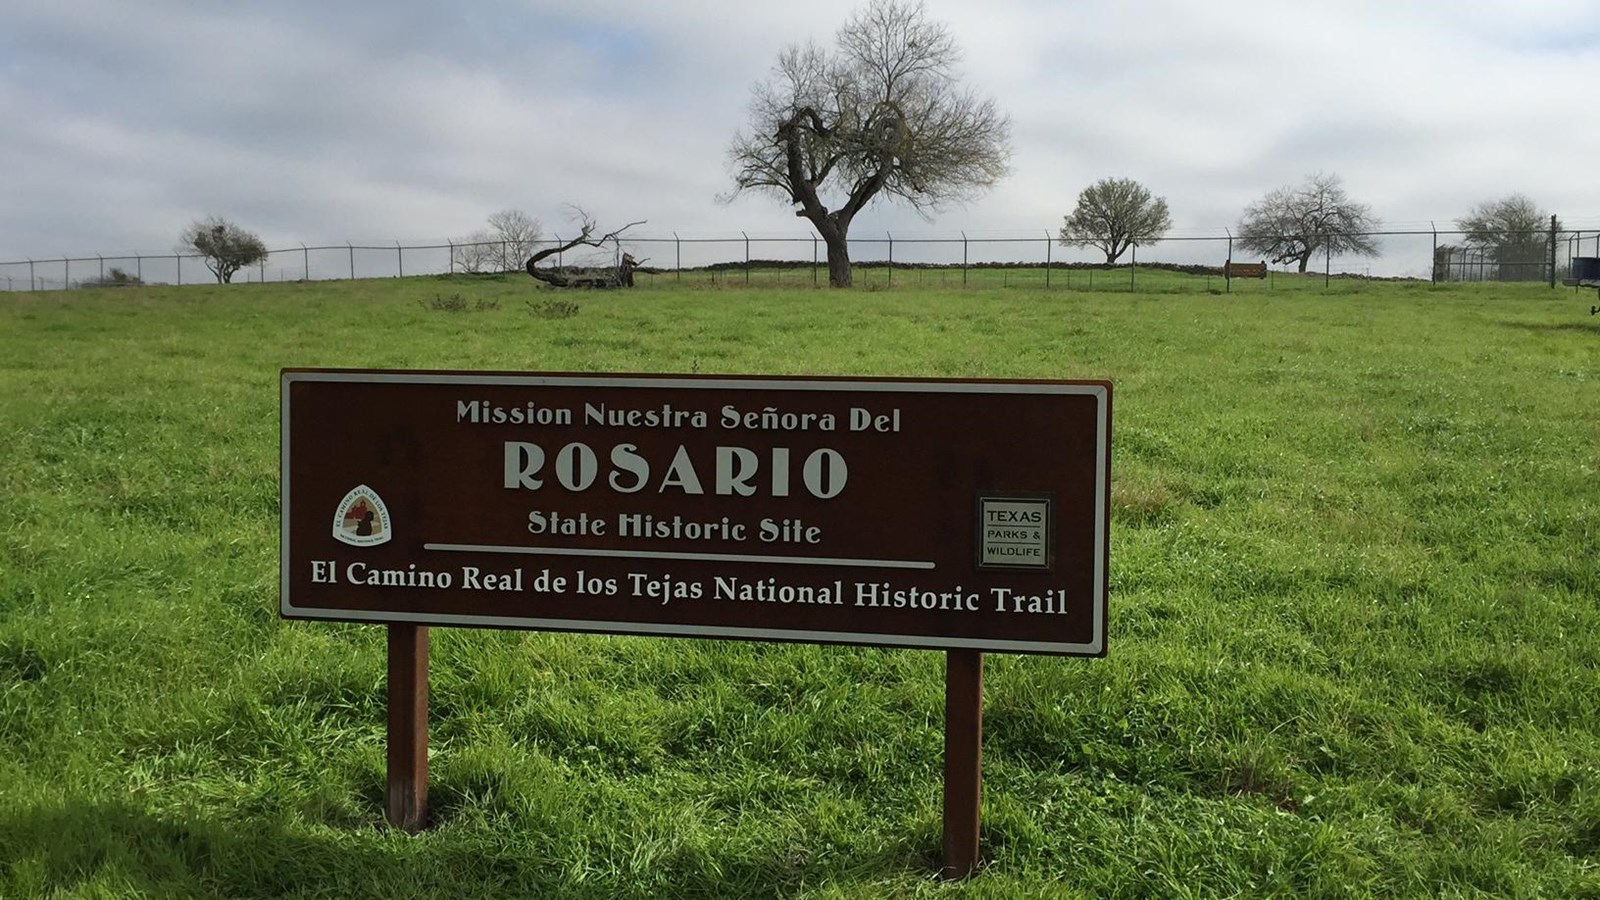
(941, 514)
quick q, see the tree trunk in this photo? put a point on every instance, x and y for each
(574, 276)
(835, 233)
(838, 244)
(1304, 258)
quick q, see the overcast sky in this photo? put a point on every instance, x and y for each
(323, 122)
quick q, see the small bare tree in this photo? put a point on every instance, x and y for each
(476, 253)
(881, 115)
(1291, 224)
(226, 247)
(1113, 214)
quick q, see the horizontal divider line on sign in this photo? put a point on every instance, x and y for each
(662, 554)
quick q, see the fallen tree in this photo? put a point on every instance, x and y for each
(620, 274)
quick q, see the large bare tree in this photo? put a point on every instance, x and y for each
(502, 247)
(1294, 223)
(882, 114)
(1514, 232)
(1113, 214)
(518, 233)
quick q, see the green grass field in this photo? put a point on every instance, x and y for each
(1354, 640)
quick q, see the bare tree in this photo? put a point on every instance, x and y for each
(476, 253)
(882, 114)
(1113, 214)
(1292, 224)
(518, 233)
(226, 247)
(1513, 232)
(510, 238)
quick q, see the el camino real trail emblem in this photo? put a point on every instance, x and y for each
(362, 519)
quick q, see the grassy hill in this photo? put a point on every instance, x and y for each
(1354, 639)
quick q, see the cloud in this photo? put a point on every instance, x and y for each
(413, 121)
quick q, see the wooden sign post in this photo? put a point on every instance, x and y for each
(963, 516)
(407, 779)
(963, 760)
(407, 794)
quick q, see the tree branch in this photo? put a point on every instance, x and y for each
(582, 240)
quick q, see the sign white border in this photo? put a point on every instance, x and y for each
(1095, 647)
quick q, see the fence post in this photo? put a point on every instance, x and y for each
(677, 247)
(179, 258)
(1433, 266)
(33, 284)
(400, 258)
(1327, 263)
(813, 260)
(559, 254)
(102, 267)
(261, 268)
(963, 258)
(452, 246)
(1047, 244)
(1552, 251)
(305, 258)
(746, 258)
(891, 257)
(138, 268)
(66, 274)
(1227, 265)
(353, 259)
(1133, 265)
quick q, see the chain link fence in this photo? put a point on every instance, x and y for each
(943, 259)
